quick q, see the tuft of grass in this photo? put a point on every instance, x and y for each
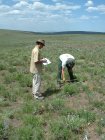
(24, 79)
(87, 115)
(100, 105)
(27, 107)
(67, 127)
(60, 131)
(1, 130)
(9, 96)
(4, 129)
(12, 69)
(71, 89)
(2, 89)
(55, 105)
(2, 67)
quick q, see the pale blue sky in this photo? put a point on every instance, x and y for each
(53, 15)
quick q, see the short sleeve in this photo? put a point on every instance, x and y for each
(35, 56)
(63, 64)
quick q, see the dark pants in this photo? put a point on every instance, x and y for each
(70, 71)
(59, 77)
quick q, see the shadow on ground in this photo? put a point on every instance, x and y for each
(50, 92)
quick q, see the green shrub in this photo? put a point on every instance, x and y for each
(27, 132)
(38, 134)
(59, 130)
(34, 121)
(75, 123)
(62, 129)
(24, 79)
(85, 87)
(9, 78)
(9, 96)
(102, 122)
(1, 130)
(67, 111)
(4, 129)
(56, 104)
(87, 115)
(103, 137)
(71, 89)
(99, 104)
(2, 67)
(27, 107)
(12, 69)
(2, 89)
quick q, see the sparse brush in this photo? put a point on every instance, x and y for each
(54, 118)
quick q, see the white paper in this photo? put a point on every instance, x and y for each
(47, 61)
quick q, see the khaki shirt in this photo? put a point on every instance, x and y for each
(35, 56)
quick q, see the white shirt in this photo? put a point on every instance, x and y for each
(64, 58)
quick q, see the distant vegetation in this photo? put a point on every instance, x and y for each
(70, 32)
(75, 112)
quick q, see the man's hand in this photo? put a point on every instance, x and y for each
(63, 75)
(43, 60)
(64, 79)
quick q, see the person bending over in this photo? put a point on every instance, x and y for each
(68, 61)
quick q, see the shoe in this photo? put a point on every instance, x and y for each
(39, 97)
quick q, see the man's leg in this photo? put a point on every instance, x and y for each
(70, 71)
(36, 85)
(71, 76)
(59, 70)
(59, 76)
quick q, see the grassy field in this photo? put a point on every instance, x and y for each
(75, 112)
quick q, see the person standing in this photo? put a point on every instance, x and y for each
(36, 68)
(68, 61)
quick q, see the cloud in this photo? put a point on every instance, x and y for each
(39, 6)
(35, 6)
(26, 0)
(57, 0)
(14, 12)
(86, 17)
(4, 8)
(38, 11)
(37, 14)
(89, 3)
(60, 6)
(57, 6)
(20, 0)
(99, 8)
(21, 4)
(90, 9)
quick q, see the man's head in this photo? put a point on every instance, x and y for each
(41, 43)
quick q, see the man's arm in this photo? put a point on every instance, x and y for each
(41, 61)
(63, 74)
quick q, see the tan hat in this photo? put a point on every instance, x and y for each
(41, 41)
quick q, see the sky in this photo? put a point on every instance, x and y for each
(53, 15)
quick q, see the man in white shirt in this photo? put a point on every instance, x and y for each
(68, 61)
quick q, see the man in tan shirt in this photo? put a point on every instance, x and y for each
(36, 68)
